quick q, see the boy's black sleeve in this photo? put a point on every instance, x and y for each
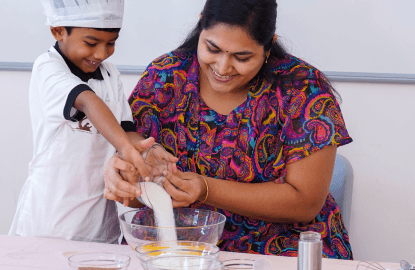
(69, 112)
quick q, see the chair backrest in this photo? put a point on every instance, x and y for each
(341, 186)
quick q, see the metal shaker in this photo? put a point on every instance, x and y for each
(310, 251)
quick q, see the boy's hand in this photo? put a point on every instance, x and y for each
(115, 186)
(118, 171)
(132, 156)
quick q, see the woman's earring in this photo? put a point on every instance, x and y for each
(266, 59)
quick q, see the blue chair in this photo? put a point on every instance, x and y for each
(341, 186)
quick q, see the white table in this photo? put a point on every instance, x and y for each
(25, 253)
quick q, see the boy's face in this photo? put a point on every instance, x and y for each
(85, 47)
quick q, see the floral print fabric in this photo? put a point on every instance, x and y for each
(281, 122)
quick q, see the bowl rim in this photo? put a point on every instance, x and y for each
(235, 262)
(215, 251)
(124, 259)
(210, 258)
(222, 216)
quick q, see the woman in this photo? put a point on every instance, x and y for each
(254, 128)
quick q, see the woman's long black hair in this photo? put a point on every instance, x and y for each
(257, 17)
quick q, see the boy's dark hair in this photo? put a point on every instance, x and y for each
(111, 30)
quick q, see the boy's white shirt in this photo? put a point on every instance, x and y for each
(63, 194)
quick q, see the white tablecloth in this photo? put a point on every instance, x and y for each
(25, 253)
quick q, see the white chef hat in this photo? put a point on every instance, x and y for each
(84, 13)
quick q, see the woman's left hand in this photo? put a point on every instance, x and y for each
(184, 187)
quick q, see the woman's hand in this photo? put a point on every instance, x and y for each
(158, 160)
(184, 187)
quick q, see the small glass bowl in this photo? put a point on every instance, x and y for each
(183, 263)
(239, 264)
(175, 248)
(107, 261)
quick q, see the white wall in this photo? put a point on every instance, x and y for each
(350, 36)
(379, 117)
(335, 35)
(151, 27)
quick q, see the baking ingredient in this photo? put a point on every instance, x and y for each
(156, 196)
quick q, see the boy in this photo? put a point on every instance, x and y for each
(77, 105)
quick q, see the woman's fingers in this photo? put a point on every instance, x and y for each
(174, 167)
(170, 162)
(181, 187)
(177, 204)
(156, 156)
(170, 187)
(143, 145)
(178, 179)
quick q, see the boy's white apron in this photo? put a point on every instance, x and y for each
(68, 178)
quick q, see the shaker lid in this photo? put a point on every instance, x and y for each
(310, 236)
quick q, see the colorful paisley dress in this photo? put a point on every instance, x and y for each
(281, 122)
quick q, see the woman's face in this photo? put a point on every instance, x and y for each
(229, 58)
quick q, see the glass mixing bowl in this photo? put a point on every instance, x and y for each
(139, 226)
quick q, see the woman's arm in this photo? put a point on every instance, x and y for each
(299, 199)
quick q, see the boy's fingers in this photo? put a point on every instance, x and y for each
(124, 191)
(119, 164)
(141, 166)
(109, 195)
(131, 177)
(126, 202)
(121, 188)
